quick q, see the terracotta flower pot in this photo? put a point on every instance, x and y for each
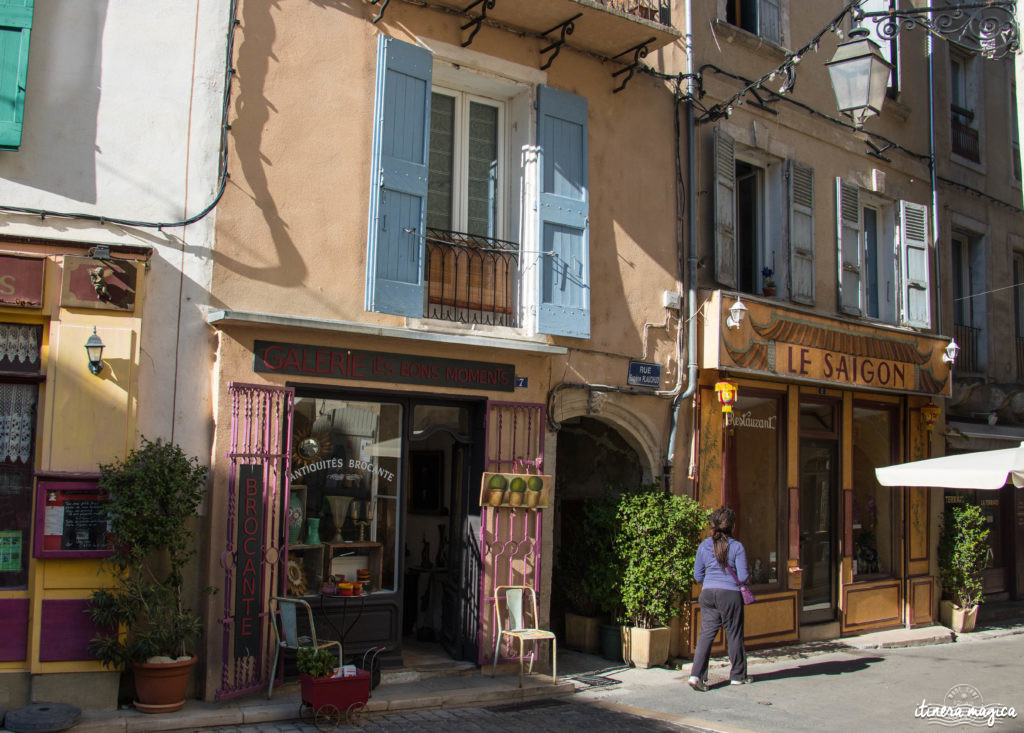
(161, 688)
(515, 498)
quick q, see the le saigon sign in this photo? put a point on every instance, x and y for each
(777, 341)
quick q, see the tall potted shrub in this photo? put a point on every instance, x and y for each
(963, 554)
(656, 545)
(154, 493)
(590, 573)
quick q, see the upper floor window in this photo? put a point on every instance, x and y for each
(883, 257)
(1018, 310)
(456, 169)
(764, 221)
(890, 48)
(968, 308)
(1014, 129)
(760, 17)
(465, 184)
(965, 140)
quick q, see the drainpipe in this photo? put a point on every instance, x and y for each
(690, 241)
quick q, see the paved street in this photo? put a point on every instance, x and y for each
(839, 690)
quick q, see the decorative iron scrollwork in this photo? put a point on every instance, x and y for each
(988, 28)
(475, 23)
(567, 27)
(639, 52)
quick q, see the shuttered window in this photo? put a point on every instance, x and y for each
(563, 306)
(850, 225)
(801, 232)
(15, 28)
(398, 190)
(916, 292)
(725, 209)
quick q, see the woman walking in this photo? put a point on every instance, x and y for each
(721, 566)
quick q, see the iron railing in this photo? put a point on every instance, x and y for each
(472, 279)
(967, 339)
(658, 11)
(965, 139)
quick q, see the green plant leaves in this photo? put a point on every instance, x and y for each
(315, 662)
(963, 553)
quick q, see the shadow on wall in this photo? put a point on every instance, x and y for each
(58, 146)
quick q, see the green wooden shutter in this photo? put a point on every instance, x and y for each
(15, 27)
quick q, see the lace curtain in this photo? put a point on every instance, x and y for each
(19, 343)
(17, 415)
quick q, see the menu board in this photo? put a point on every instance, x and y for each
(70, 519)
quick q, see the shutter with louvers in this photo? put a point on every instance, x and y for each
(916, 292)
(769, 24)
(15, 29)
(801, 232)
(563, 306)
(398, 189)
(726, 256)
(849, 219)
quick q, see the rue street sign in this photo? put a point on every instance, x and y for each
(644, 374)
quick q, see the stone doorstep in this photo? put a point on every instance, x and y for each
(445, 692)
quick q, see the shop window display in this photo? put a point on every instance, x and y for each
(343, 508)
(757, 427)
(872, 519)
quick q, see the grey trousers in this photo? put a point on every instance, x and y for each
(720, 608)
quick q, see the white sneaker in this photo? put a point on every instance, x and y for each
(698, 684)
(744, 681)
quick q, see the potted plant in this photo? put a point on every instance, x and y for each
(326, 689)
(656, 545)
(154, 492)
(768, 282)
(963, 554)
(590, 578)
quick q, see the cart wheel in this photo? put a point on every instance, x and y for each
(328, 717)
(306, 713)
(356, 714)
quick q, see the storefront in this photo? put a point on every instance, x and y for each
(369, 464)
(820, 403)
(53, 299)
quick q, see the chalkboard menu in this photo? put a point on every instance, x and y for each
(70, 519)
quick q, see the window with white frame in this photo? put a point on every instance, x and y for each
(760, 17)
(883, 257)
(470, 166)
(764, 222)
(466, 181)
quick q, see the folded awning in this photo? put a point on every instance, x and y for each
(989, 469)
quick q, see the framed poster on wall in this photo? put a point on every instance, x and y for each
(70, 519)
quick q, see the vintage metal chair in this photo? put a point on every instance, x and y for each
(510, 602)
(284, 615)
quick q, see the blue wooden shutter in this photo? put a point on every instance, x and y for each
(801, 232)
(15, 27)
(913, 244)
(398, 188)
(563, 306)
(850, 226)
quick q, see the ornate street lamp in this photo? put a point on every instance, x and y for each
(94, 351)
(860, 76)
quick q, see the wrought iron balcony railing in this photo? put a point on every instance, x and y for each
(658, 11)
(472, 279)
(965, 139)
(967, 338)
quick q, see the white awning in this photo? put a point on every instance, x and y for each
(989, 469)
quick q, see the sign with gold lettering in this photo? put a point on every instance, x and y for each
(21, 280)
(863, 371)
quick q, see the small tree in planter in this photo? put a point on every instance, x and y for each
(590, 572)
(656, 546)
(154, 493)
(963, 554)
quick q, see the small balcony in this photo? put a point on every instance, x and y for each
(472, 279)
(607, 28)
(967, 337)
(965, 139)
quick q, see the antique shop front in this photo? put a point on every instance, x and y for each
(818, 403)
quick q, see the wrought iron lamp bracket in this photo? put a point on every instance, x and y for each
(383, 7)
(567, 27)
(639, 52)
(988, 28)
(475, 23)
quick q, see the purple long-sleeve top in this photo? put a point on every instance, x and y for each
(708, 571)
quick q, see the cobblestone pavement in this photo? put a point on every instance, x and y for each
(565, 714)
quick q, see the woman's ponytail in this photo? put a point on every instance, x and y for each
(722, 521)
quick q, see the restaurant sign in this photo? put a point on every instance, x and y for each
(377, 366)
(21, 280)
